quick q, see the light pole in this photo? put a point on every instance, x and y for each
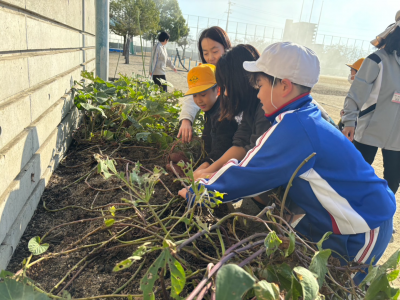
(102, 29)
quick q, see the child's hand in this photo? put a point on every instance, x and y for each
(183, 193)
(185, 131)
(202, 174)
(349, 133)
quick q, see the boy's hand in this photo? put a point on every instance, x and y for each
(185, 131)
(202, 174)
(349, 133)
(183, 193)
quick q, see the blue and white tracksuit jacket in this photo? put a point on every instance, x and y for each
(337, 189)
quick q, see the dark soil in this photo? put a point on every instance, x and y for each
(97, 277)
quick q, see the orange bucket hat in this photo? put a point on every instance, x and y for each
(357, 65)
(201, 78)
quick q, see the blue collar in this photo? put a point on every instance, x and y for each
(296, 103)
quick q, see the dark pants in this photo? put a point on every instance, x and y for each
(156, 81)
(391, 163)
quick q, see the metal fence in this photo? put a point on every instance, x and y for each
(333, 51)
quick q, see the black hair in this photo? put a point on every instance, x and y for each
(216, 34)
(230, 75)
(163, 36)
(392, 42)
(254, 76)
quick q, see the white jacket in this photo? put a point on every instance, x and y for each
(159, 60)
(189, 109)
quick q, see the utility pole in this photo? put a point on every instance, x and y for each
(320, 14)
(229, 12)
(312, 7)
(301, 13)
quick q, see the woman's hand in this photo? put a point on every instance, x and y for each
(183, 193)
(349, 133)
(150, 74)
(185, 131)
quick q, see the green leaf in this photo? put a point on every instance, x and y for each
(292, 240)
(295, 290)
(109, 222)
(140, 251)
(395, 294)
(148, 280)
(324, 238)
(285, 275)
(11, 289)
(379, 284)
(125, 263)
(142, 136)
(135, 123)
(66, 295)
(319, 265)
(266, 291)
(35, 247)
(393, 275)
(392, 262)
(90, 107)
(232, 282)
(178, 277)
(308, 283)
(272, 242)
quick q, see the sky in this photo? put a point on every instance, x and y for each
(356, 19)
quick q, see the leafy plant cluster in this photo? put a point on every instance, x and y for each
(274, 264)
(129, 109)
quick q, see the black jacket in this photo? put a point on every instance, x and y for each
(217, 135)
(252, 125)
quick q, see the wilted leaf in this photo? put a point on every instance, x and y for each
(109, 222)
(35, 247)
(319, 265)
(308, 283)
(232, 282)
(266, 291)
(272, 242)
(292, 243)
(324, 238)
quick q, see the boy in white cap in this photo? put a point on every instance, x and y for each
(336, 188)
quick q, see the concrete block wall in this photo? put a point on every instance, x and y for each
(45, 44)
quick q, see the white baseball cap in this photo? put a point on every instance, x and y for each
(288, 60)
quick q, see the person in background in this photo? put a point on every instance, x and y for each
(159, 60)
(374, 102)
(213, 43)
(353, 71)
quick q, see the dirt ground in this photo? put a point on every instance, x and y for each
(330, 92)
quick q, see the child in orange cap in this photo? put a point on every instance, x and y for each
(217, 135)
(353, 71)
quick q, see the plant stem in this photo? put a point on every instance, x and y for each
(221, 241)
(289, 185)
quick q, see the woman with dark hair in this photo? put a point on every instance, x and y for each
(159, 60)
(239, 101)
(374, 102)
(213, 43)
